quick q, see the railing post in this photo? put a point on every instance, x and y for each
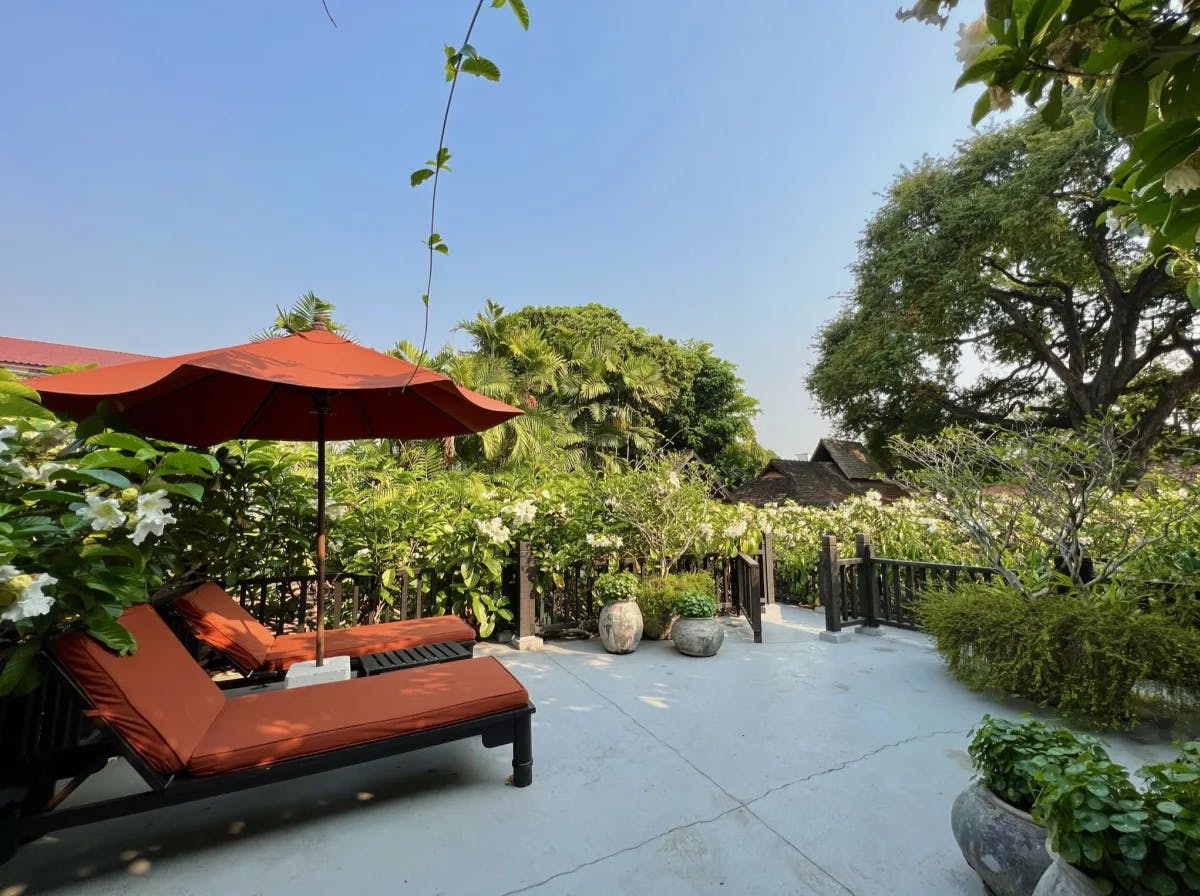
(768, 569)
(826, 580)
(868, 587)
(525, 637)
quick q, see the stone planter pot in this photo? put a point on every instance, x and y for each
(1062, 879)
(620, 626)
(1002, 844)
(698, 637)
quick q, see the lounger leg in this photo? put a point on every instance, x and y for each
(523, 751)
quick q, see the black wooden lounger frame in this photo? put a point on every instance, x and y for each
(498, 729)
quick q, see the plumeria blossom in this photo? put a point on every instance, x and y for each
(1181, 179)
(103, 513)
(30, 600)
(494, 529)
(152, 517)
(603, 541)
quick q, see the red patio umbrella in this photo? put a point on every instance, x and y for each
(308, 386)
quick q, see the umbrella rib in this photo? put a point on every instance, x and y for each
(262, 406)
(444, 412)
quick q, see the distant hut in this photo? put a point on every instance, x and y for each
(839, 469)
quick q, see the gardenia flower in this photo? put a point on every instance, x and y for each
(494, 529)
(31, 601)
(973, 39)
(102, 513)
(152, 516)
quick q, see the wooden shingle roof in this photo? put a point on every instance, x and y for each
(851, 458)
(838, 470)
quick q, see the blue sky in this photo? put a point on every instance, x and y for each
(169, 172)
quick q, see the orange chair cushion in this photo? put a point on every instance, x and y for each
(362, 639)
(157, 698)
(261, 729)
(219, 620)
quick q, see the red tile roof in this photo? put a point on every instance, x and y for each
(31, 353)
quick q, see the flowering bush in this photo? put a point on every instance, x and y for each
(83, 527)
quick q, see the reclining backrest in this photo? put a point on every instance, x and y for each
(157, 698)
(219, 620)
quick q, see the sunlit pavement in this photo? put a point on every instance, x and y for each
(792, 766)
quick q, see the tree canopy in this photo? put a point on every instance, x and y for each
(989, 284)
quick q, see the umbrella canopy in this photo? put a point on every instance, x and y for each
(270, 390)
(304, 387)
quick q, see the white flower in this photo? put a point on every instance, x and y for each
(152, 516)
(873, 498)
(6, 432)
(705, 530)
(102, 513)
(735, 530)
(521, 512)
(973, 39)
(604, 541)
(494, 529)
(673, 478)
(1181, 179)
(31, 601)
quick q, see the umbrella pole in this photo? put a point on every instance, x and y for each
(321, 405)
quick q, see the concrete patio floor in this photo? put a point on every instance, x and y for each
(792, 766)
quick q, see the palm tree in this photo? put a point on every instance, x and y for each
(301, 317)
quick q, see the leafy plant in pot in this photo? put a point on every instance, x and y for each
(991, 818)
(620, 621)
(1108, 836)
(697, 631)
(657, 597)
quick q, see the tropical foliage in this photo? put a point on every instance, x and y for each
(87, 526)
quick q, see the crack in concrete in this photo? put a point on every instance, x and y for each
(703, 821)
(857, 759)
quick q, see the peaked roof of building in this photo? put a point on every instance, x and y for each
(819, 483)
(32, 353)
(851, 458)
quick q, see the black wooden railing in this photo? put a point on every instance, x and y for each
(865, 590)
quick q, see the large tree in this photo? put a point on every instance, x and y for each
(990, 284)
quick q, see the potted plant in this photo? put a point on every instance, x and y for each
(620, 622)
(657, 604)
(697, 631)
(1107, 836)
(991, 818)
(657, 597)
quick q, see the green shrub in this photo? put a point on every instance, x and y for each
(1008, 755)
(656, 604)
(1084, 656)
(695, 606)
(611, 586)
(1127, 840)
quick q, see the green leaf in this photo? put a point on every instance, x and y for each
(1193, 292)
(441, 159)
(1169, 807)
(443, 248)
(419, 176)
(998, 9)
(985, 63)
(188, 463)
(191, 490)
(109, 632)
(1180, 96)
(124, 441)
(983, 106)
(20, 672)
(1127, 103)
(425, 300)
(110, 457)
(518, 7)
(108, 477)
(1109, 55)
(1052, 111)
(483, 68)
(52, 494)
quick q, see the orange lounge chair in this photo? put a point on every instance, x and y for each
(189, 742)
(220, 622)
